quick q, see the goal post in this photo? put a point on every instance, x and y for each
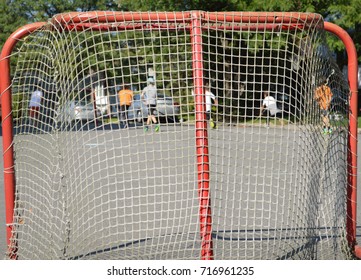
(7, 122)
(79, 184)
(352, 140)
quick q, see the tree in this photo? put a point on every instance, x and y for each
(347, 15)
(16, 13)
(228, 61)
(173, 5)
(343, 13)
(10, 19)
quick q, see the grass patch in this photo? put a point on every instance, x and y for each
(246, 121)
(272, 121)
(110, 120)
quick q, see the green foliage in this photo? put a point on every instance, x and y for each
(171, 5)
(347, 15)
(16, 13)
(168, 56)
(344, 13)
(10, 20)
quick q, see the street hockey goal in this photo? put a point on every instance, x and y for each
(83, 182)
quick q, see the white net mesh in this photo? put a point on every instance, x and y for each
(91, 184)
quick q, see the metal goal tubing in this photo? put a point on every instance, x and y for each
(103, 20)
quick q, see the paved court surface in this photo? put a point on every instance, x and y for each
(2, 213)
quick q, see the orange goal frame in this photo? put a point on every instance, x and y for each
(265, 21)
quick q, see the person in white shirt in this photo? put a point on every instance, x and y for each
(210, 99)
(269, 106)
(34, 105)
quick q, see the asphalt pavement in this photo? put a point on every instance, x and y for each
(2, 206)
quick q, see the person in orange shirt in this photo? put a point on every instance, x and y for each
(125, 100)
(323, 96)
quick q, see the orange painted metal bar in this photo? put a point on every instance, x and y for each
(201, 140)
(255, 17)
(111, 17)
(352, 138)
(7, 125)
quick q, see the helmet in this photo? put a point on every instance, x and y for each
(150, 80)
